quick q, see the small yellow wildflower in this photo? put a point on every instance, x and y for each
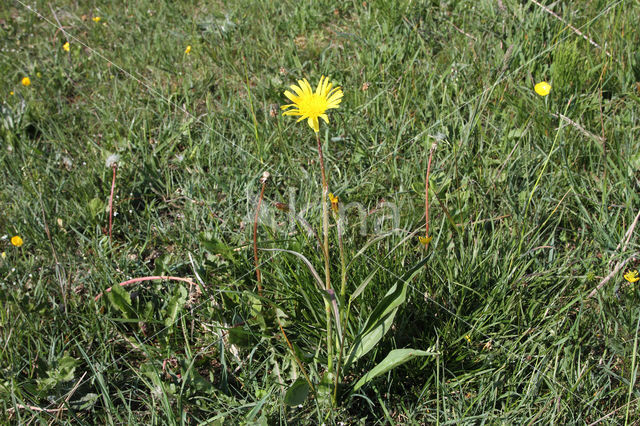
(425, 240)
(3, 255)
(468, 338)
(543, 88)
(187, 50)
(26, 81)
(632, 276)
(11, 93)
(96, 19)
(66, 47)
(312, 105)
(334, 202)
(16, 241)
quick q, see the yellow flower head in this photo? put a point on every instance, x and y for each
(3, 255)
(425, 240)
(66, 47)
(334, 202)
(11, 93)
(187, 50)
(311, 105)
(26, 81)
(543, 88)
(96, 19)
(468, 338)
(632, 276)
(16, 241)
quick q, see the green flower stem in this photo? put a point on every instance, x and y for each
(343, 266)
(327, 272)
(340, 354)
(343, 276)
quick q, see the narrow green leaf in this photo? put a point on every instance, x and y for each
(363, 284)
(393, 359)
(306, 262)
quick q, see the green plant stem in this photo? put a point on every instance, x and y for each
(255, 238)
(343, 266)
(343, 287)
(325, 233)
(335, 385)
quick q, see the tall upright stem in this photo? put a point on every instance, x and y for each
(255, 235)
(114, 166)
(325, 233)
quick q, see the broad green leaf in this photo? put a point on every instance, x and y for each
(193, 378)
(66, 367)
(240, 337)
(95, 206)
(62, 372)
(393, 359)
(324, 389)
(85, 403)
(120, 299)
(378, 324)
(216, 246)
(381, 319)
(297, 393)
(176, 303)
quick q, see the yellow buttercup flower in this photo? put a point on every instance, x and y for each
(187, 50)
(26, 81)
(11, 93)
(468, 338)
(312, 105)
(66, 47)
(632, 276)
(16, 241)
(96, 19)
(3, 255)
(543, 88)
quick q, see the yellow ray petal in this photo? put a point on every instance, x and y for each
(306, 87)
(297, 89)
(319, 86)
(313, 123)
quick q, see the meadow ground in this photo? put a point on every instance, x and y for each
(532, 205)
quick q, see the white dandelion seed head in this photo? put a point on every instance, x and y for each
(112, 160)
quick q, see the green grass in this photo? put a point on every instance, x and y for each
(537, 209)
